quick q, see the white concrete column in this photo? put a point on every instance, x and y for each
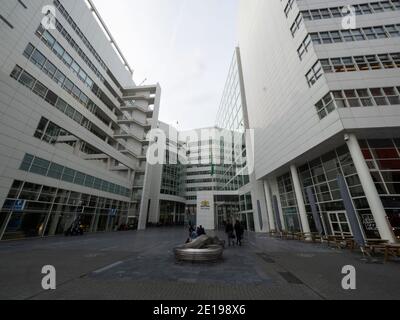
(268, 199)
(300, 199)
(374, 201)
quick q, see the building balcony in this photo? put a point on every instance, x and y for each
(130, 152)
(127, 121)
(130, 107)
(101, 156)
(129, 135)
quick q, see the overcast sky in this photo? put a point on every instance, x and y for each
(185, 45)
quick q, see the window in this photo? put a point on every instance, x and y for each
(68, 175)
(70, 111)
(38, 58)
(61, 105)
(79, 178)
(48, 39)
(51, 97)
(58, 50)
(52, 133)
(67, 59)
(89, 82)
(84, 99)
(76, 92)
(97, 183)
(89, 181)
(16, 72)
(27, 80)
(49, 69)
(68, 85)
(59, 77)
(82, 75)
(78, 117)
(365, 98)
(379, 98)
(75, 67)
(55, 171)
(26, 162)
(28, 51)
(40, 89)
(40, 166)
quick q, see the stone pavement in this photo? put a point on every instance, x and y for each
(141, 266)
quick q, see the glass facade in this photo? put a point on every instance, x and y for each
(172, 213)
(53, 170)
(33, 210)
(383, 159)
(289, 203)
(173, 180)
(231, 116)
(321, 175)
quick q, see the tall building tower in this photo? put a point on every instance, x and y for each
(73, 123)
(240, 176)
(323, 93)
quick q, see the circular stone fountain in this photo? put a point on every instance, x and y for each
(202, 249)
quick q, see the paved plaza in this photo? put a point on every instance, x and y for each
(141, 266)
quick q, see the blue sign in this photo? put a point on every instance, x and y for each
(19, 205)
(113, 212)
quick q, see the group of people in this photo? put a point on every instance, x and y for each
(194, 232)
(234, 232)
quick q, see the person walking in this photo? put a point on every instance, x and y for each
(230, 233)
(239, 230)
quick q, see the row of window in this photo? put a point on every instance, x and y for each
(358, 98)
(88, 45)
(288, 7)
(50, 132)
(80, 34)
(351, 64)
(34, 192)
(65, 57)
(191, 198)
(336, 12)
(58, 77)
(49, 96)
(50, 211)
(53, 170)
(199, 181)
(200, 189)
(360, 9)
(45, 36)
(360, 34)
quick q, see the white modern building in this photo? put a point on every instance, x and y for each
(325, 103)
(216, 181)
(73, 123)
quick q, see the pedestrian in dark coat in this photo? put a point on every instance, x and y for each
(239, 230)
(230, 233)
